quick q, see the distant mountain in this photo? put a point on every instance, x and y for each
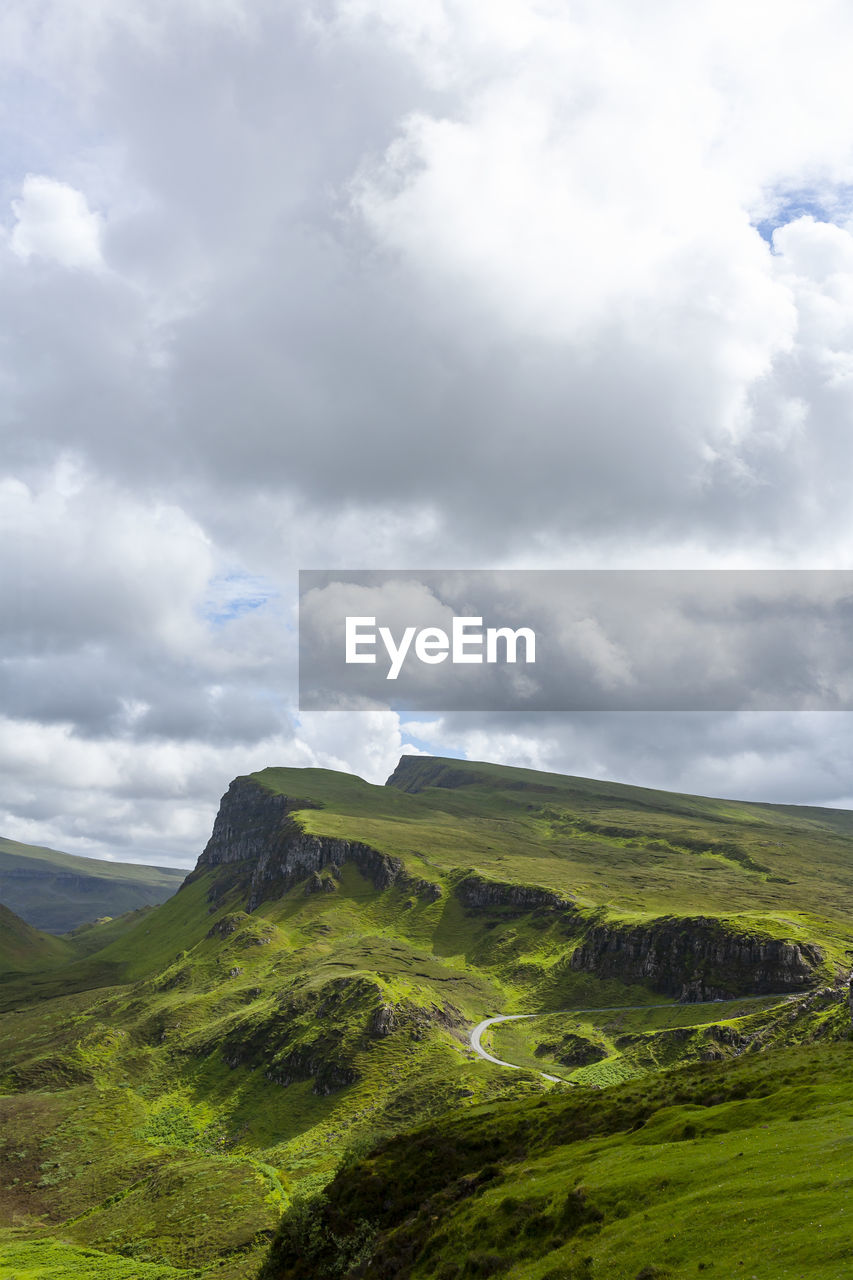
(58, 892)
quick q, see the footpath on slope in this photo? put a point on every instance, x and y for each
(475, 1038)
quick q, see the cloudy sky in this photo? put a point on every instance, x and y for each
(400, 283)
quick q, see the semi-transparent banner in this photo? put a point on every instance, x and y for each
(576, 640)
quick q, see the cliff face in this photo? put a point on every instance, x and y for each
(416, 773)
(477, 892)
(251, 822)
(255, 833)
(697, 958)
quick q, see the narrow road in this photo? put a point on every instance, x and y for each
(490, 1022)
(477, 1033)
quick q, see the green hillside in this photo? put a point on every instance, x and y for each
(24, 949)
(741, 1171)
(192, 1071)
(57, 892)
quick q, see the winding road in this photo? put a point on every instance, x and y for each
(475, 1038)
(507, 1017)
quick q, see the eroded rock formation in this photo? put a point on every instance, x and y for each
(697, 958)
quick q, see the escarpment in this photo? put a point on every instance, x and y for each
(259, 847)
(256, 835)
(698, 958)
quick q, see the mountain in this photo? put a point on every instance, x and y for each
(58, 892)
(290, 1034)
(700, 897)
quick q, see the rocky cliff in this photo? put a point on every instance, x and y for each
(697, 958)
(256, 834)
(476, 891)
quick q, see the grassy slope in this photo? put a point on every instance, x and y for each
(58, 892)
(164, 1095)
(728, 1170)
(23, 949)
(199, 1065)
(607, 1046)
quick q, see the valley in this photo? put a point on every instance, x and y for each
(59, 892)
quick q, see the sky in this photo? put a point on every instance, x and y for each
(395, 284)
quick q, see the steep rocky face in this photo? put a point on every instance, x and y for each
(251, 822)
(256, 834)
(476, 891)
(697, 958)
(258, 845)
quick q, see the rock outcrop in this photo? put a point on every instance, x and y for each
(476, 891)
(383, 1021)
(698, 958)
(256, 834)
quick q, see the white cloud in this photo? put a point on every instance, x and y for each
(148, 801)
(93, 562)
(804, 758)
(443, 282)
(54, 222)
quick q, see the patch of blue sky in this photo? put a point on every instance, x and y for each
(40, 133)
(824, 204)
(233, 595)
(410, 735)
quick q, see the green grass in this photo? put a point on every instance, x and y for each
(50, 1259)
(611, 1045)
(218, 1078)
(732, 1170)
(24, 949)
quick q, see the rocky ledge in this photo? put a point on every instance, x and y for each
(698, 958)
(476, 891)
